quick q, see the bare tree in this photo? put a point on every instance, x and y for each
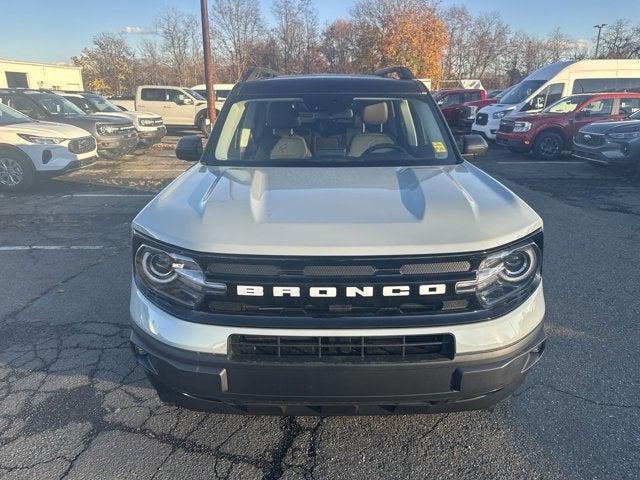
(620, 40)
(180, 37)
(339, 46)
(237, 27)
(295, 33)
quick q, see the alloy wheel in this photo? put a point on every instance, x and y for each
(11, 172)
(550, 147)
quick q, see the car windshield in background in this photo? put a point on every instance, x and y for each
(521, 92)
(331, 129)
(634, 116)
(55, 104)
(195, 95)
(9, 116)
(101, 104)
(567, 104)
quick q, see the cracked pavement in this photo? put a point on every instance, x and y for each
(74, 405)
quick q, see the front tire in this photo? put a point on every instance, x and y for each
(548, 146)
(205, 127)
(17, 174)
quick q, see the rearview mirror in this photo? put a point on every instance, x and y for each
(474, 147)
(189, 148)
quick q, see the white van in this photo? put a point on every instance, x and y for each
(222, 92)
(549, 84)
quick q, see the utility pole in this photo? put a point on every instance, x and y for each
(208, 62)
(599, 27)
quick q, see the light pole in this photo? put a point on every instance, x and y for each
(599, 27)
(208, 62)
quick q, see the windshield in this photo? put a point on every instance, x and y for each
(567, 104)
(521, 92)
(10, 116)
(195, 94)
(55, 104)
(101, 104)
(331, 129)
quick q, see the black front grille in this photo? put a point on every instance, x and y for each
(357, 349)
(482, 119)
(507, 126)
(82, 145)
(589, 139)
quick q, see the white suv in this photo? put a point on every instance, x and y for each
(333, 252)
(30, 150)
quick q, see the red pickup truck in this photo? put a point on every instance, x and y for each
(452, 102)
(551, 131)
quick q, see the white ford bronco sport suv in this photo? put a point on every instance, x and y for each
(31, 150)
(333, 252)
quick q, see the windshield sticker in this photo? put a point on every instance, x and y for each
(439, 147)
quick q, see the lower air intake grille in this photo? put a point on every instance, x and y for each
(355, 349)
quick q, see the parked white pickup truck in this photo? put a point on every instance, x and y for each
(178, 106)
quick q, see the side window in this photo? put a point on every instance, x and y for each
(554, 93)
(629, 106)
(81, 103)
(450, 99)
(601, 107)
(471, 97)
(595, 85)
(174, 95)
(628, 85)
(23, 105)
(153, 95)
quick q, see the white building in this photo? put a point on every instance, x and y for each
(16, 74)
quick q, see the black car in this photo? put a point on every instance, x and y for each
(114, 136)
(610, 143)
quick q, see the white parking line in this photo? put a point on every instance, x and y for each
(109, 195)
(17, 248)
(535, 162)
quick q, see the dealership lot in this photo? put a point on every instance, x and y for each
(73, 404)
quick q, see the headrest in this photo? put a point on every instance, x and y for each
(281, 115)
(375, 114)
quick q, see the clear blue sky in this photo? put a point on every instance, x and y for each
(54, 30)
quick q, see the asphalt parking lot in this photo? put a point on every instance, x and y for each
(74, 405)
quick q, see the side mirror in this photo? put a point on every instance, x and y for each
(474, 147)
(583, 114)
(189, 148)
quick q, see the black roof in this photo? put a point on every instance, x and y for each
(310, 84)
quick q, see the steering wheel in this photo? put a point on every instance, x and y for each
(380, 146)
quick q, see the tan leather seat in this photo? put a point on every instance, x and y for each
(376, 114)
(282, 119)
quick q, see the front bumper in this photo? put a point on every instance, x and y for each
(489, 130)
(123, 143)
(70, 167)
(610, 153)
(148, 138)
(189, 365)
(514, 141)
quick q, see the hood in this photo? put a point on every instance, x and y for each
(537, 117)
(336, 211)
(46, 129)
(609, 127)
(113, 119)
(132, 116)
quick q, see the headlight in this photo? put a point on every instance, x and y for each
(42, 140)
(500, 114)
(505, 275)
(147, 122)
(173, 277)
(624, 135)
(522, 127)
(106, 129)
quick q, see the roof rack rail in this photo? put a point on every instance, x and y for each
(403, 72)
(257, 73)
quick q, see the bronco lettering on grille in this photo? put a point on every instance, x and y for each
(332, 292)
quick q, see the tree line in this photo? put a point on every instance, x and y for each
(435, 43)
